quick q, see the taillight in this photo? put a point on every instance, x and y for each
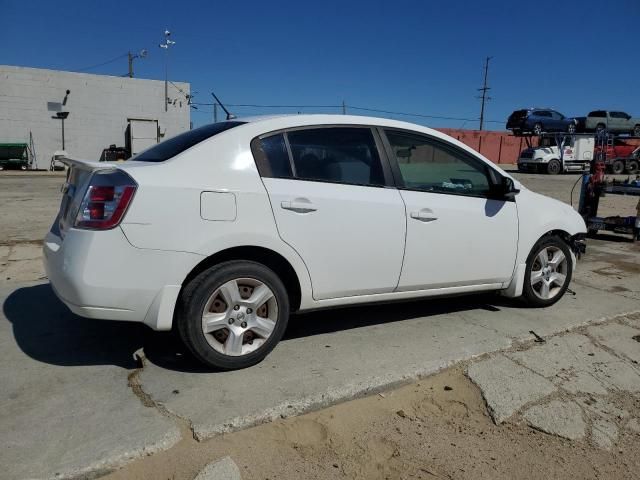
(106, 200)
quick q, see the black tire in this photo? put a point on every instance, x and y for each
(617, 167)
(601, 127)
(632, 167)
(529, 296)
(571, 128)
(537, 129)
(197, 292)
(554, 167)
(636, 131)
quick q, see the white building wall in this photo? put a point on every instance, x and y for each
(98, 105)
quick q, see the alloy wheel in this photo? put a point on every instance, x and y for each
(239, 316)
(549, 272)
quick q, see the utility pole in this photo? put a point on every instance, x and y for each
(484, 90)
(132, 57)
(344, 108)
(130, 64)
(215, 112)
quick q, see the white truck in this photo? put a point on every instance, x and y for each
(557, 154)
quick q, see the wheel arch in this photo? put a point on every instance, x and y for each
(265, 256)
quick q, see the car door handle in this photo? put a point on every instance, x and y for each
(424, 215)
(299, 205)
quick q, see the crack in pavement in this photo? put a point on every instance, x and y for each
(133, 381)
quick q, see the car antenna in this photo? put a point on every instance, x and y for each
(230, 116)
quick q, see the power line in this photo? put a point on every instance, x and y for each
(101, 64)
(344, 105)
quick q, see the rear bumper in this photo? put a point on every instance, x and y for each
(101, 275)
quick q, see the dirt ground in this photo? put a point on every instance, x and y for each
(438, 428)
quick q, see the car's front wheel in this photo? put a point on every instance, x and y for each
(554, 167)
(548, 272)
(233, 314)
(571, 128)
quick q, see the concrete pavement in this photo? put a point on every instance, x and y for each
(68, 407)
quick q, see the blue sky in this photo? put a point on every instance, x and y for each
(406, 56)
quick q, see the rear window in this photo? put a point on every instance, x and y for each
(178, 144)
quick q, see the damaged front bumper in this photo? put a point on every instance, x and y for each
(578, 244)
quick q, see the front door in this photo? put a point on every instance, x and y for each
(456, 235)
(331, 204)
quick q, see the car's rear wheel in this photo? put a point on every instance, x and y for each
(617, 167)
(548, 272)
(632, 167)
(571, 128)
(600, 128)
(554, 167)
(233, 314)
(537, 129)
(636, 131)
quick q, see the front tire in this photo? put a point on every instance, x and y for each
(548, 272)
(554, 167)
(571, 128)
(233, 314)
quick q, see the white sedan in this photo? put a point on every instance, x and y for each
(224, 230)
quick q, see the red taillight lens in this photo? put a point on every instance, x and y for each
(106, 200)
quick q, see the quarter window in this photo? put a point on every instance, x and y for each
(432, 166)
(272, 158)
(337, 154)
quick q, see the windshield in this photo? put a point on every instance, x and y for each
(178, 144)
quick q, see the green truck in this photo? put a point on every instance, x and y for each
(14, 156)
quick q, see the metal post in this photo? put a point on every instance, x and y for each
(130, 65)
(62, 133)
(166, 79)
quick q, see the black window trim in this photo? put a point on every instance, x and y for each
(397, 175)
(389, 179)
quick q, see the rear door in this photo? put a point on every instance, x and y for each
(332, 203)
(456, 234)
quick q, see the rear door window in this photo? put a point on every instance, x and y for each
(272, 157)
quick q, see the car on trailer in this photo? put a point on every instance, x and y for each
(539, 120)
(610, 121)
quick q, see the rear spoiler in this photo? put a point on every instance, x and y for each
(86, 164)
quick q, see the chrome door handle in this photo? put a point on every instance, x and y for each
(299, 206)
(424, 215)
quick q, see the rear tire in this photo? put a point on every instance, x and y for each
(617, 167)
(636, 131)
(632, 167)
(220, 322)
(548, 272)
(554, 167)
(571, 128)
(600, 128)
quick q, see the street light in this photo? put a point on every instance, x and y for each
(62, 116)
(166, 44)
(132, 56)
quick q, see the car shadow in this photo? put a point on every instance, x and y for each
(47, 331)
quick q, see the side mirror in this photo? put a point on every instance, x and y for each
(509, 190)
(505, 189)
